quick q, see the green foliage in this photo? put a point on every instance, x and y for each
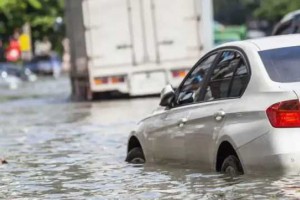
(234, 12)
(274, 10)
(41, 14)
(35, 3)
(238, 11)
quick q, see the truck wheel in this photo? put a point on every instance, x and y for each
(232, 166)
(135, 156)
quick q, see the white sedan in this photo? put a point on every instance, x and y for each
(237, 111)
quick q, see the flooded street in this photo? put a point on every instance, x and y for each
(58, 149)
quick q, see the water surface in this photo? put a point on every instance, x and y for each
(58, 149)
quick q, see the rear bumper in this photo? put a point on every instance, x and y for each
(278, 150)
(146, 79)
(135, 84)
(121, 87)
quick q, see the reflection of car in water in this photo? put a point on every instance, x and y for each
(244, 116)
(47, 64)
(289, 24)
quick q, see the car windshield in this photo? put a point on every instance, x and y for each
(283, 64)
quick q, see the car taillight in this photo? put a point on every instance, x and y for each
(285, 114)
(109, 80)
(117, 79)
(179, 73)
(101, 80)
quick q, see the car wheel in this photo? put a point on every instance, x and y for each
(232, 166)
(136, 156)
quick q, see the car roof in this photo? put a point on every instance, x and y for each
(290, 16)
(266, 43)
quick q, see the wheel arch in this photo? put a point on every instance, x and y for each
(225, 149)
(133, 142)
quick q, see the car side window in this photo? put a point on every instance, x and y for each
(228, 77)
(297, 24)
(240, 80)
(191, 87)
(285, 28)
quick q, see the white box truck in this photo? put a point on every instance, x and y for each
(136, 47)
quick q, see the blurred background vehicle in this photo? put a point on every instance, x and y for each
(289, 24)
(255, 33)
(13, 75)
(140, 47)
(45, 65)
(223, 34)
(24, 74)
(45, 61)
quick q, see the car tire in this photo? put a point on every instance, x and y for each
(135, 156)
(232, 166)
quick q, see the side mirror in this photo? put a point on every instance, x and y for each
(167, 95)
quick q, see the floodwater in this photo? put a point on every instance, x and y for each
(58, 149)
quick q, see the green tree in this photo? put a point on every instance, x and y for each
(41, 14)
(234, 11)
(238, 11)
(274, 10)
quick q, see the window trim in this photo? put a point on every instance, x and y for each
(284, 26)
(291, 23)
(214, 52)
(218, 52)
(296, 24)
(232, 78)
(245, 58)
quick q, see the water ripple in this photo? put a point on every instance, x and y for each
(64, 150)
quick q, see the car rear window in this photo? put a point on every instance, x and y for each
(283, 64)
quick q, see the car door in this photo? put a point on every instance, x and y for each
(207, 117)
(168, 137)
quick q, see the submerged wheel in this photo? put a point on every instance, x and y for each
(135, 156)
(232, 166)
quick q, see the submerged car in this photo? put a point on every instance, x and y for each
(10, 69)
(12, 75)
(237, 111)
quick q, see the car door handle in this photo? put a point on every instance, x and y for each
(182, 122)
(220, 115)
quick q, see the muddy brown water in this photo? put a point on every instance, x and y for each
(58, 149)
